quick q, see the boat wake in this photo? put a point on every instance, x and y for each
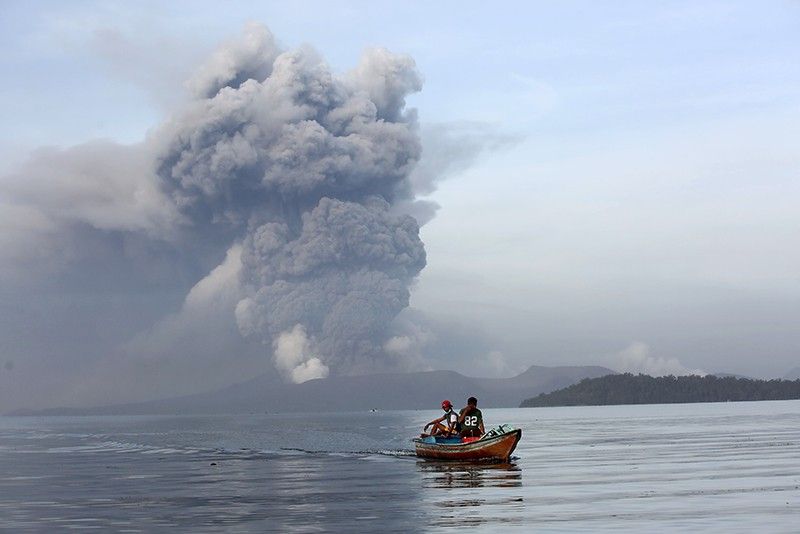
(399, 453)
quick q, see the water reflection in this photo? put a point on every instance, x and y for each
(455, 490)
(469, 475)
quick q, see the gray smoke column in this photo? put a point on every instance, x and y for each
(303, 167)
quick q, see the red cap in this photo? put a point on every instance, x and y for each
(447, 404)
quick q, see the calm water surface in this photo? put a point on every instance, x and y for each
(732, 467)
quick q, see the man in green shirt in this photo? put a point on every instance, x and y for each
(471, 419)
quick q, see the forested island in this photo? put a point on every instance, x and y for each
(643, 389)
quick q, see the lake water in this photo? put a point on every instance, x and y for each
(729, 467)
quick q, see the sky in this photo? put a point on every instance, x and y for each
(600, 184)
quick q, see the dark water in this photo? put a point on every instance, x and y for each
(712, 467)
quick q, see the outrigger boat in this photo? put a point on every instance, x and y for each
(496, 445)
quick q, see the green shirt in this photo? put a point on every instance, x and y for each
(473, 420)
(451, 419)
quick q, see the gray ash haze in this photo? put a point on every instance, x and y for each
(278, 198)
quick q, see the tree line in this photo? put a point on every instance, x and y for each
(643, 389)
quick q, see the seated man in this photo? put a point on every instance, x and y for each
(471, 420)
(450, 420)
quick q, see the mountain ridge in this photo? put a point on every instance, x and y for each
(419, 390)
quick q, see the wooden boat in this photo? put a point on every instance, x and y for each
(496, 445)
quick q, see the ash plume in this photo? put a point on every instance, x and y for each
(303, 167)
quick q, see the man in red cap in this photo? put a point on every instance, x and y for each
(446, 425)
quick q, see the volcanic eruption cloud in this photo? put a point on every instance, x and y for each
(303, 168)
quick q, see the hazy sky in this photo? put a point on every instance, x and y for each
(618, 183)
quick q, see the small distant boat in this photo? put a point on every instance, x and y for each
(496, 445)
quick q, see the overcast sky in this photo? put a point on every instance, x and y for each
(617, 183)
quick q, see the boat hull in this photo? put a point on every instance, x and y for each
(495, 448)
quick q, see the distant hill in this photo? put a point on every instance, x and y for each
(793, 374)
(396, 391)
(642, 389)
